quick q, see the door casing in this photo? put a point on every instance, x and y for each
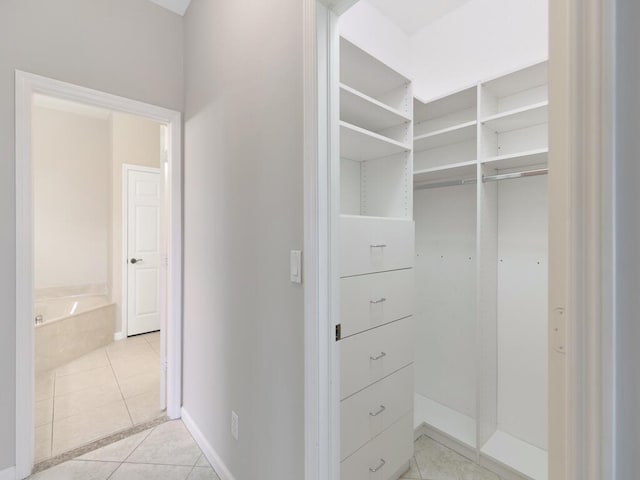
(26, 86)
(582, 207)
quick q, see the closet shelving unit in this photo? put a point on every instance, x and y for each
(445, 136)
(480, 206)
(376, 237)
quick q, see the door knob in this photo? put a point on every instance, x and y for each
(136, 260)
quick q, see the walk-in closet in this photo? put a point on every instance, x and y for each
(443, 238)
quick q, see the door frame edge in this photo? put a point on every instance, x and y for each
(26, 85)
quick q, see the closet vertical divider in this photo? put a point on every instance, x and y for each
(487, 291)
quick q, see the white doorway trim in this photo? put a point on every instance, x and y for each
(26, 86)
(582, 49)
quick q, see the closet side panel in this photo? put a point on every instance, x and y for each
(445, 296)
(487, 325)
(522, 309)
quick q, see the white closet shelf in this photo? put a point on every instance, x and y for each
(445, 105)
(446, 136)
(365, 72)
(518, 81)
(451, 423)
(455, 171)
(517, 455)
(518, 160)
(518, 118)
(360, 145)
(360, 109)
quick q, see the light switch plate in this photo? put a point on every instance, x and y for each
(295, 267)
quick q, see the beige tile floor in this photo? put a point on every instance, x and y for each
(434, 461)
(101, 393)
(168, 452)
(165, 452)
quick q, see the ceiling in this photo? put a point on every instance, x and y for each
(412, 15)
(177, 6)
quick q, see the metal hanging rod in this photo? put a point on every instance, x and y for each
(509, 176)
(485, 178)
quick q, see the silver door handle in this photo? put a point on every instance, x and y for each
(382, 409)
(136, 260)
(379, 245)
(382, 355)
(380, 465)
(381, 300)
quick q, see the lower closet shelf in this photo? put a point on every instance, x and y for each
(517, 455)
(449, 422)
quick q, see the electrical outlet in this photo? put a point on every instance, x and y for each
(234, 424)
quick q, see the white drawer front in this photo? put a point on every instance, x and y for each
(386, 454)
(368, 413)
(370, 245)
(367, 301)
(372, 355)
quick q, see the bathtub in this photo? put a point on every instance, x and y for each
(71, 327)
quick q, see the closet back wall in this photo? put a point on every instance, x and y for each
(445, 303)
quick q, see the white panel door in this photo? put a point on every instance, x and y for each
(143, 252)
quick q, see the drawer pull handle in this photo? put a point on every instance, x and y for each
(382, 409)
(382, 355)
(381, 300)
(379, 245)
(380, 465)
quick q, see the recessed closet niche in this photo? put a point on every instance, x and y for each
(443, 260)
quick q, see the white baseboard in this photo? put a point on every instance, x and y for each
(8, 473)
(118, 336)
(214, 459)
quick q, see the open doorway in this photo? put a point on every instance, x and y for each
(98, 275)
(442, 228)
(97, 211)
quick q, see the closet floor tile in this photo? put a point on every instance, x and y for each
(437, 462)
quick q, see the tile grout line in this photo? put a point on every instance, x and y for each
(141, 442)
(126, 405)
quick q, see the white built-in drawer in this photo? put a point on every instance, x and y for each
(372, 355)
(368, 413)
(367, 301)
(370, 245)
(388, 454)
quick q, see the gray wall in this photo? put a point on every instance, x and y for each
(131, 48)
(628, 240)
(243, 332)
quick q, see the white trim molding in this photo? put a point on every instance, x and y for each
(212, 456)
(581, 187)
(26, 85)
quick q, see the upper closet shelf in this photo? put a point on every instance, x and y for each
(367, 112)
(519, 81)
(524, 117)
(456, 171)
(518, 160)
(459, 103)
(447, 136)
(366, 73)
(360, 145)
